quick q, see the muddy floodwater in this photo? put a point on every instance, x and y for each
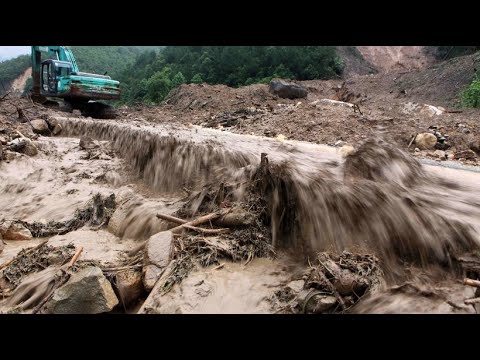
(417, 219)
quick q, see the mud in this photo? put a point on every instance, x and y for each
(380, 199)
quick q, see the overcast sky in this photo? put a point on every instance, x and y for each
(8, 52)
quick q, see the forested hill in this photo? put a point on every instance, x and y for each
(153, 75)
(96, 59)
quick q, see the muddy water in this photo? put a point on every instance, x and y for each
(379, 199)
(235, 289)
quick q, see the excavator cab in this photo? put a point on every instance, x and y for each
(54, 75)
(59, 80)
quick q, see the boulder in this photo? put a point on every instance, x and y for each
(151, 274)
(24, 146)
(86, 143)
(11, 230)
(87, 292)
(425, 141)
(287, 90)
(57, 129)
(40, 126)
(157, 256)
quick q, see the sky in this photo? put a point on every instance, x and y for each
(8, 52)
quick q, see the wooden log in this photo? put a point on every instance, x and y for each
(201, 220)
(471, 282)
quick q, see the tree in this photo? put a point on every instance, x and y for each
(197, 79)
(178, 79)
(159, 85)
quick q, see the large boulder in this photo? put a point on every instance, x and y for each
(24, 146)
(425, 141)
(11, 230)
(40, 126)
(157, 256)
(87, 292)
(287, 90)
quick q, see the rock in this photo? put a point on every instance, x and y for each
(3, 140)
(10, 155)
(157, 256)
(86, 143)
(287, 90)
(440, 154)
(296, 285)
(129, 285)
(87, 292)
(151, 274)
(466, 154)
(77, 112)
(57, 129)
(340, 143)
(474, 145)
(425, 141)
(346, 150)
(30, 148)
(52, 122)
(451, 156)
(465, 130)
(11, 230)
(40, 126)
(1, 151)
(158, 248)
(417, 150)
(269, 133)
(2, 245)
(24, 146)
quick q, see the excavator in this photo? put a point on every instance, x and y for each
(59, 81)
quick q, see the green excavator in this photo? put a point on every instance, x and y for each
(58, 81)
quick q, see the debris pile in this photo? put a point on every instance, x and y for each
(334, 283)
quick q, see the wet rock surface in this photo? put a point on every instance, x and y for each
(86, 292)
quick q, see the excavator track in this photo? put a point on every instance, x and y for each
(98, 110)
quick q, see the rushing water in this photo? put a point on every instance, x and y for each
(379, 199)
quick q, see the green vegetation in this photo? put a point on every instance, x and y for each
(471, 95)
(95, 59)
(13, 68)
(153, 75)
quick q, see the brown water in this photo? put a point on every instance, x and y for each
(379, 200)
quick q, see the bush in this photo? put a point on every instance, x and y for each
(471, 95)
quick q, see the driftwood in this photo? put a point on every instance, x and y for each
(471, 282)
(28, 251)
(231, 219)
(198, 221)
